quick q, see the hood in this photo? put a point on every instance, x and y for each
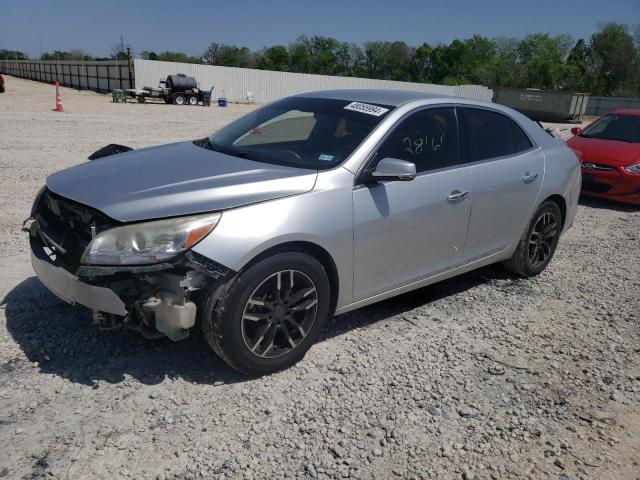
(608, 152)
(175, 179)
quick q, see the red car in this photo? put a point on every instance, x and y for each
(610, 154)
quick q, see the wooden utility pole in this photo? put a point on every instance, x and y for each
(130, 65)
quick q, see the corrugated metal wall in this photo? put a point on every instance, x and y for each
(101, 76)
(267, 86)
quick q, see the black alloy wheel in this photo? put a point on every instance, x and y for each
(270, 314)
(279, 313)
(538, 243)
(542, 238)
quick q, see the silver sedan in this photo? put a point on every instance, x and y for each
(308, 207)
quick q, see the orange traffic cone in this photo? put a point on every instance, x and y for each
(58, 100)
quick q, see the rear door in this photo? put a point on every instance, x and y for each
(507, 171)
(407, 230)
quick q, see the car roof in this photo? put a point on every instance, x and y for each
(382, 97)
(627, 111)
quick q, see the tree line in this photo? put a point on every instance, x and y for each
(607, 63)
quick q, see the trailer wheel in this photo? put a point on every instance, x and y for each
(179, 100)
(168, 100)
(193, 100)
(140, 98)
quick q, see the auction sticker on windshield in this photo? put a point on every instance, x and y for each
(366, 108)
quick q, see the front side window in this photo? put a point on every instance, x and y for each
(490, 134)
(301, 132)
(428, 138)
(624, 128)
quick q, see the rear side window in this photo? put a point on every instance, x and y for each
(522, 142)
(490, 135)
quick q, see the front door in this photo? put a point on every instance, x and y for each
(407, 230)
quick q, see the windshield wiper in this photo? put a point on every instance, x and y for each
(229, 151)
(584, 135)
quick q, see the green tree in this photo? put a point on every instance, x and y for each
(543, 57)
(177, 57)
(300, 56)
(233, 56)
(149, 55)
(12, 55)
(56, 55)
(422, 64)
(614, 59)
(274, 58)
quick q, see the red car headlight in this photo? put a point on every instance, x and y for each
(633, 168)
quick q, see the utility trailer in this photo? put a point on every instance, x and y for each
(177, 89)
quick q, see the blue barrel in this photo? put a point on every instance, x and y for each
(222, 102)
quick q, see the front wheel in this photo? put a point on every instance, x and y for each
(271, 314)
(538, 244)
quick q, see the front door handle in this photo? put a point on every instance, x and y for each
(529, 177)
(456, 195)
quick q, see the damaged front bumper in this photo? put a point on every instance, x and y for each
(69, 288)
(155, 300)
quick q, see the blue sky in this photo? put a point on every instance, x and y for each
(154, 25)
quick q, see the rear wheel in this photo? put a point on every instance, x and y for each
(271, 314)
(538, 244)
(179, 100)
(193, 100)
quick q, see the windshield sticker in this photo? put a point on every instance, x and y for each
(325, 157)
(366, 108)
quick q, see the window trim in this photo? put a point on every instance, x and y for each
(361, 171)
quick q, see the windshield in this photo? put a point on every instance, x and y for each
(625, 128)
(301, 132)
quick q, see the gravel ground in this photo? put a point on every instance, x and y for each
(481, 376)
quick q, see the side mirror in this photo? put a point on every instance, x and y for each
(576, 130)
(394, 169)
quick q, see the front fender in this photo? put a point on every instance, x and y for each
(323, 216)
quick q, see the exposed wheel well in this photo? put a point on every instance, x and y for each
(560, 201)
(314, 250)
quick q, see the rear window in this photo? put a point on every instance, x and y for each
(490, 134)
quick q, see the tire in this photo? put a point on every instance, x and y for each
(535, 250)
(168, 101)
(179, 100)
(233, 324)
(141, 98)
(192, 100)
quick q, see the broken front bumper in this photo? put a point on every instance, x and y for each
(154, 299)
(70, 288)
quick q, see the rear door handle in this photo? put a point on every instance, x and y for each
(456, 195)
(529, 177)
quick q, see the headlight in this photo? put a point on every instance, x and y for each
(149, 242)
(633, 168)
